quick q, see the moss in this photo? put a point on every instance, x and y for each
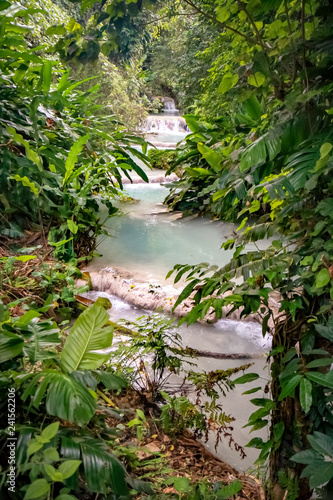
(162, 158)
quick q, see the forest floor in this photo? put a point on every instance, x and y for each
(159, 456)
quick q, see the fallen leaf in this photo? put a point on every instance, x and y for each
(152, 447)
(170, 489)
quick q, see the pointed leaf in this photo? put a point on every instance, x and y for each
(86, 337)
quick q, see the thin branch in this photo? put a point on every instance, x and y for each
(255, 29)
(168, 17)
(303, 42)
(293, 78)
(251, 40)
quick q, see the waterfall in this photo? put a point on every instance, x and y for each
(167, 128)
(169, 105)
(159, 124)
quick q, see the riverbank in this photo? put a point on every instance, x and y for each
(152, 295)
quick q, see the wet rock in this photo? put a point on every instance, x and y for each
(152, 296)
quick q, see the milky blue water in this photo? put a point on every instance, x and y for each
(150, 241)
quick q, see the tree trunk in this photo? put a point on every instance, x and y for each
(287, 334)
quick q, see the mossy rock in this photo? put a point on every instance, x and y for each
(162, 158)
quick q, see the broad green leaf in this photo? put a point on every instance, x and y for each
(37, 489)
(27, 183)
(26, 318)
(254, 154)
(69, 467)
(51, 454)
(325, 331)
(305, 395)
(305, 457)
(229, 80)
(289, 388)
(320, 378)
(320, 362)
(229, 491)
(248, 377)
(181, 484)
(55, 30)
(33, 447)
(112, 381)
(54, 474)
(256, 442)
(253, 107)
(325, 149)
(322, 443)
(11, 345)
(322, 278)
(72, 226)
(85, 338)
(69, 400)
(50, 431)
(73, 155)
(101, 469)
(212, 157)
(194, 124)
(222, 14)
(257, 79)
(320, 473)
(4, 4)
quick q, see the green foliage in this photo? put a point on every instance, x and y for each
(87, 336)
(157, 338)
(203, 491)
(58, 163)
(70, 395)
(140, 424)
(318, 459)
(121, 89)
(28, 282)
(40, 457)
(162, 158)
(269, 156)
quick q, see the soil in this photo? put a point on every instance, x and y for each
(183, 455)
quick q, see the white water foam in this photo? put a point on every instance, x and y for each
(249, 330)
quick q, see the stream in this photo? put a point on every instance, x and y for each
(148, 241)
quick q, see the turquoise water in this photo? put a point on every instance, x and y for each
(148, 241)
(151, 241)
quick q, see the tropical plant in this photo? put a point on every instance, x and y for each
(276, 96)
(58, 163)
(61, 385)
(298, 200)
(156, 344)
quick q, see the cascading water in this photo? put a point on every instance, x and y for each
(169, 106)
(167, 128)
(147, 242)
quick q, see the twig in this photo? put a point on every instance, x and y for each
(303, 42)
(216, 21)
